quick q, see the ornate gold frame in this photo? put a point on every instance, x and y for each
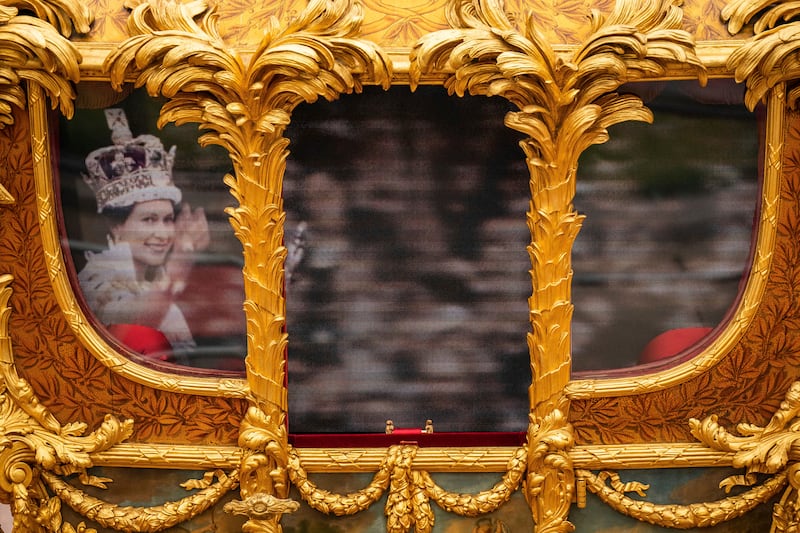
(242, 95)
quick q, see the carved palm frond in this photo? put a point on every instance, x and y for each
(67, 16)
(564, 105)
(769, 58)
(739, 13)
(244, 106)
(33, 50)
(243, 103)
(186, 61)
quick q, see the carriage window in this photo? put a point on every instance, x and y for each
(669, 217)
(153, 253)
(408, 297)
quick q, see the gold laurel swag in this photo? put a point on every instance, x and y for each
(771, 450)
(410, 491)
(770, 56)
(145, 519)
(671, 515)
(564, 105)
(244, 105)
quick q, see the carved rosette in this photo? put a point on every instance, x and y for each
(244, 105)
(564, 105)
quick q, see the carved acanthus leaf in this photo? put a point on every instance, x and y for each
(67, 16)
(771, 56)
(766, 449)
(38, 50)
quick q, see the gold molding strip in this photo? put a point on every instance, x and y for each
(475, 460)
(713, 55)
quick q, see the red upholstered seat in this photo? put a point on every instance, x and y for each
(671, 342)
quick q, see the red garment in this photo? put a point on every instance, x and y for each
(143, 340)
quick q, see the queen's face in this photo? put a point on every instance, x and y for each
(150, 232)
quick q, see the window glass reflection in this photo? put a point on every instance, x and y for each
(156, 260)
(410, 301)
(669, 217)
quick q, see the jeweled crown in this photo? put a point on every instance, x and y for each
(132, 170)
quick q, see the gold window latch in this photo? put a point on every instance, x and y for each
(391, 430)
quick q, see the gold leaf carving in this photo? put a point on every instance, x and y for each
(339, 505)
(38, 50)
(410, 491)
(127, 518)
(678, 516)
(244, 104)
(771, 449)
(484, 502)
(770, 56)
(564, 105)
(33, 443)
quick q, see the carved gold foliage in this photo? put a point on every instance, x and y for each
(564, 105)
(770, 56)
(263, 468)
(772, 449)
(786, 513)
(128, 518)
(33, 443)
(765, 449)
(550, 479)
(38, 50)
(410, 491)
(244, 104)
(673, 515)
(336, 504)
(484, 502)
